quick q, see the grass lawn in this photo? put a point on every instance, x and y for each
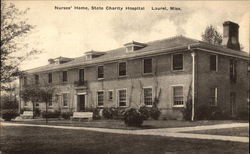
(119, 124)
(241, 131)
(49, 140)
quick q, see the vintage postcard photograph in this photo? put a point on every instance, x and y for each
(115, 77)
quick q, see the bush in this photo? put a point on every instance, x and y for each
(243, 115)
(154, 113)
(107, 113)
(145, 111)
(66, 115)
(132, 117)
(7, 115)
(96, 113)
(37, 112)
(206, 112)
(50, 114)
(187, 112)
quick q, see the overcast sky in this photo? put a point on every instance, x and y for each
(70, 33)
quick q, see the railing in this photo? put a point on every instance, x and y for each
(80, 83)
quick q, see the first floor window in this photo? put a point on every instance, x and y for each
(37, 104)
(148, 99)
(122, 97)
(110, 95)
(100, 98)
(178, 96)
(213, 96)
(65, 99)
(50, 100)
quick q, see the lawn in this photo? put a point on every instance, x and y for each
(241, 131)
(50, 140)
(119, 124)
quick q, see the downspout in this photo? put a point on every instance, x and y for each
(193, 84)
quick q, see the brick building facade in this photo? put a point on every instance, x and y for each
(173, 71)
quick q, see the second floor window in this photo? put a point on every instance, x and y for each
(122, 67)
(65, 76)
(100, 72)
(213, 62)
(147, 65)
(233, 70)
(81, 75)
(177, 62)
(50, 77)
(36, 79)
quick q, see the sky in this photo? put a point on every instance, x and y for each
(70, 33)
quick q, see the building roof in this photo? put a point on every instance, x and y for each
(160, 46)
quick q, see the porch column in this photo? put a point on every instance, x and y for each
(193, 83)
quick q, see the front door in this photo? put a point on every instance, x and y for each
(81, 102)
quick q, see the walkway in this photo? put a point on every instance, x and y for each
(167, 132)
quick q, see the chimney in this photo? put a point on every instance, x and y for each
(231, 35)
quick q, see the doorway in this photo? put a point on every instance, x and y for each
(81, 102)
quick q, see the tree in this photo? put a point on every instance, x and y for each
(212, 36)
(13, 30)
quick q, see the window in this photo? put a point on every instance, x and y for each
(65, 76)
(213, 96)
(36, 79)
(178, 96)
(100, 98)
(65, 99)
(25, 80)
(81, 75)
(122, 98)
(50, 77)
(110, 95)
(147, 65)
(233, 70)
(37, 104)
(178, 62)
(100, 72)
(148, 98)
(122, 69)
(25, 103)
(213, 62)
(50, 100)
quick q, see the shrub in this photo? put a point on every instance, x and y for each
(107, 113)
(206, 112)
(154, 113)
(145, 111)
(66, 115)
(243, 115)
(187, 112)
(132, 117)
(50, 114)
(37, 112)
(96, 113)
(7, 115)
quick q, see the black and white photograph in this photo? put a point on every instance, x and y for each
(124, 77)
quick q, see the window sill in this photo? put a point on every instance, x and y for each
(65, 107)
(178, 106)
(124, 76)
(177, 70)
(147, 74)
(99, 79)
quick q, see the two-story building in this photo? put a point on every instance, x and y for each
(171, 71)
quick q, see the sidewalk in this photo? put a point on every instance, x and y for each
(167, 132)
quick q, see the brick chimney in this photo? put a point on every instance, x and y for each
(231, 35)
